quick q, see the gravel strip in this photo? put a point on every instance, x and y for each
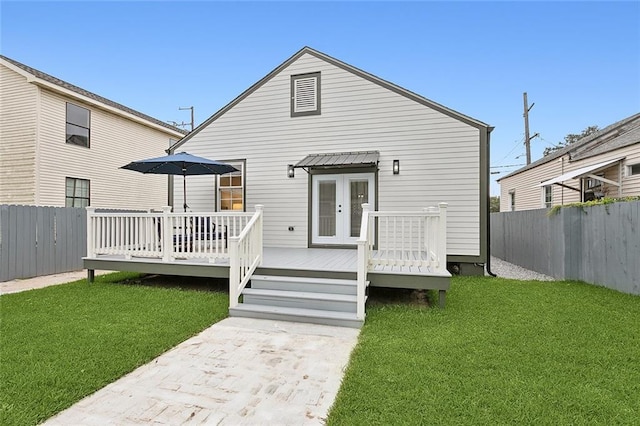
(508, 270)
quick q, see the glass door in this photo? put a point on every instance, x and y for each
(337, 206)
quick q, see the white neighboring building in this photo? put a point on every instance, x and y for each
(61, 145)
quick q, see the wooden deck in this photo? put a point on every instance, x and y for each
(302, 262)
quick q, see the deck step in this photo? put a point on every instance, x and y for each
(313, 316)
(304, 284)
(300, 299)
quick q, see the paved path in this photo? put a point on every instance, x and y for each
(16, 286)
(239, 371)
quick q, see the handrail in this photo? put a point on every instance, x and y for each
(363, 262)
(410, 239)
(245, 255)
(165, 235)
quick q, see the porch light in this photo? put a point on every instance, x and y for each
(396, 167)
(290, 171)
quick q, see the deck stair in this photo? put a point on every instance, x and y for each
(300, 299)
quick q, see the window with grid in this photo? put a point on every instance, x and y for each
(231, 188)
(548, 196)
(77, 192)
(78, 125)
(305, 94)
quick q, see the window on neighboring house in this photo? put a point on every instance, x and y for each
(305, 94)
(512, 200)
(78, 125)
(77, 192)
(634, 170)
(231, 188)
(548, 196)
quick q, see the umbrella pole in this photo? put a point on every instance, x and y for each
(184, 192)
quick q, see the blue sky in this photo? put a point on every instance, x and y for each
(578, 61)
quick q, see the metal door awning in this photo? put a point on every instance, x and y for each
(339, 160)
(587, 171)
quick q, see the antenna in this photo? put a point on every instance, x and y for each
(182, 123)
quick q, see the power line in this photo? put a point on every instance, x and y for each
(504, 167)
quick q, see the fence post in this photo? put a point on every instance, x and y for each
(442, 237)
(167, 234)
(234, 271)
(90, 232)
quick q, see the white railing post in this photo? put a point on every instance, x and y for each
(167, 234)
(363, 262)
(90, 232)
(442, 237)
(259, 210)
(234, 270)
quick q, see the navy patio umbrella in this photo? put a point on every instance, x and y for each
(181, 164)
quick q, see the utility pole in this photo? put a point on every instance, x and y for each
(186, 108)
(527, 139)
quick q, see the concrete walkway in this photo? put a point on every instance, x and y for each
(238, 371)
(16, 286)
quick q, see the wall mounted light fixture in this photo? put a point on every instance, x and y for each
(396, 167)
(291, 171)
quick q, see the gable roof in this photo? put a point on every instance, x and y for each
(370, 77)
(44, 77)
(617, 135)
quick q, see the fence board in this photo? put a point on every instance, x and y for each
(4, 242)
(40, 240)
(598, 245)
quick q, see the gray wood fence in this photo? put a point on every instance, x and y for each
(38, 241)
(598, 245)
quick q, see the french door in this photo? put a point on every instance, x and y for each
(336, 210)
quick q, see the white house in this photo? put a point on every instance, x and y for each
(603, 164)
(61, 145)
(344, 181)
(316, 138)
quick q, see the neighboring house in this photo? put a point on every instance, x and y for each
(603, 164)
(61, 145)
(316, 138)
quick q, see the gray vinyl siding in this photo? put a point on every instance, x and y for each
(18, 104)
(439, 156)
(115, 141)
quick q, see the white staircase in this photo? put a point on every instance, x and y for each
(311, 300)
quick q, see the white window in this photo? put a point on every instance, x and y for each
(76, 192)
(512, 200)
(547, 196)
(231, 188)
(633, 170)
(78, 125)
(305, 94)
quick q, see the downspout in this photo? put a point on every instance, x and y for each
(488, 262)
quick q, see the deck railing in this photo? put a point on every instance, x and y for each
(164, 235)
(404, 240)
(245, 255)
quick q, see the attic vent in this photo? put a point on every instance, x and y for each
(305, 94)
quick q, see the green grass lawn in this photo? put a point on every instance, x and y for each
(61, 343)
(501, 352)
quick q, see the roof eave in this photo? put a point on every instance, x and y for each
(33, 79)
